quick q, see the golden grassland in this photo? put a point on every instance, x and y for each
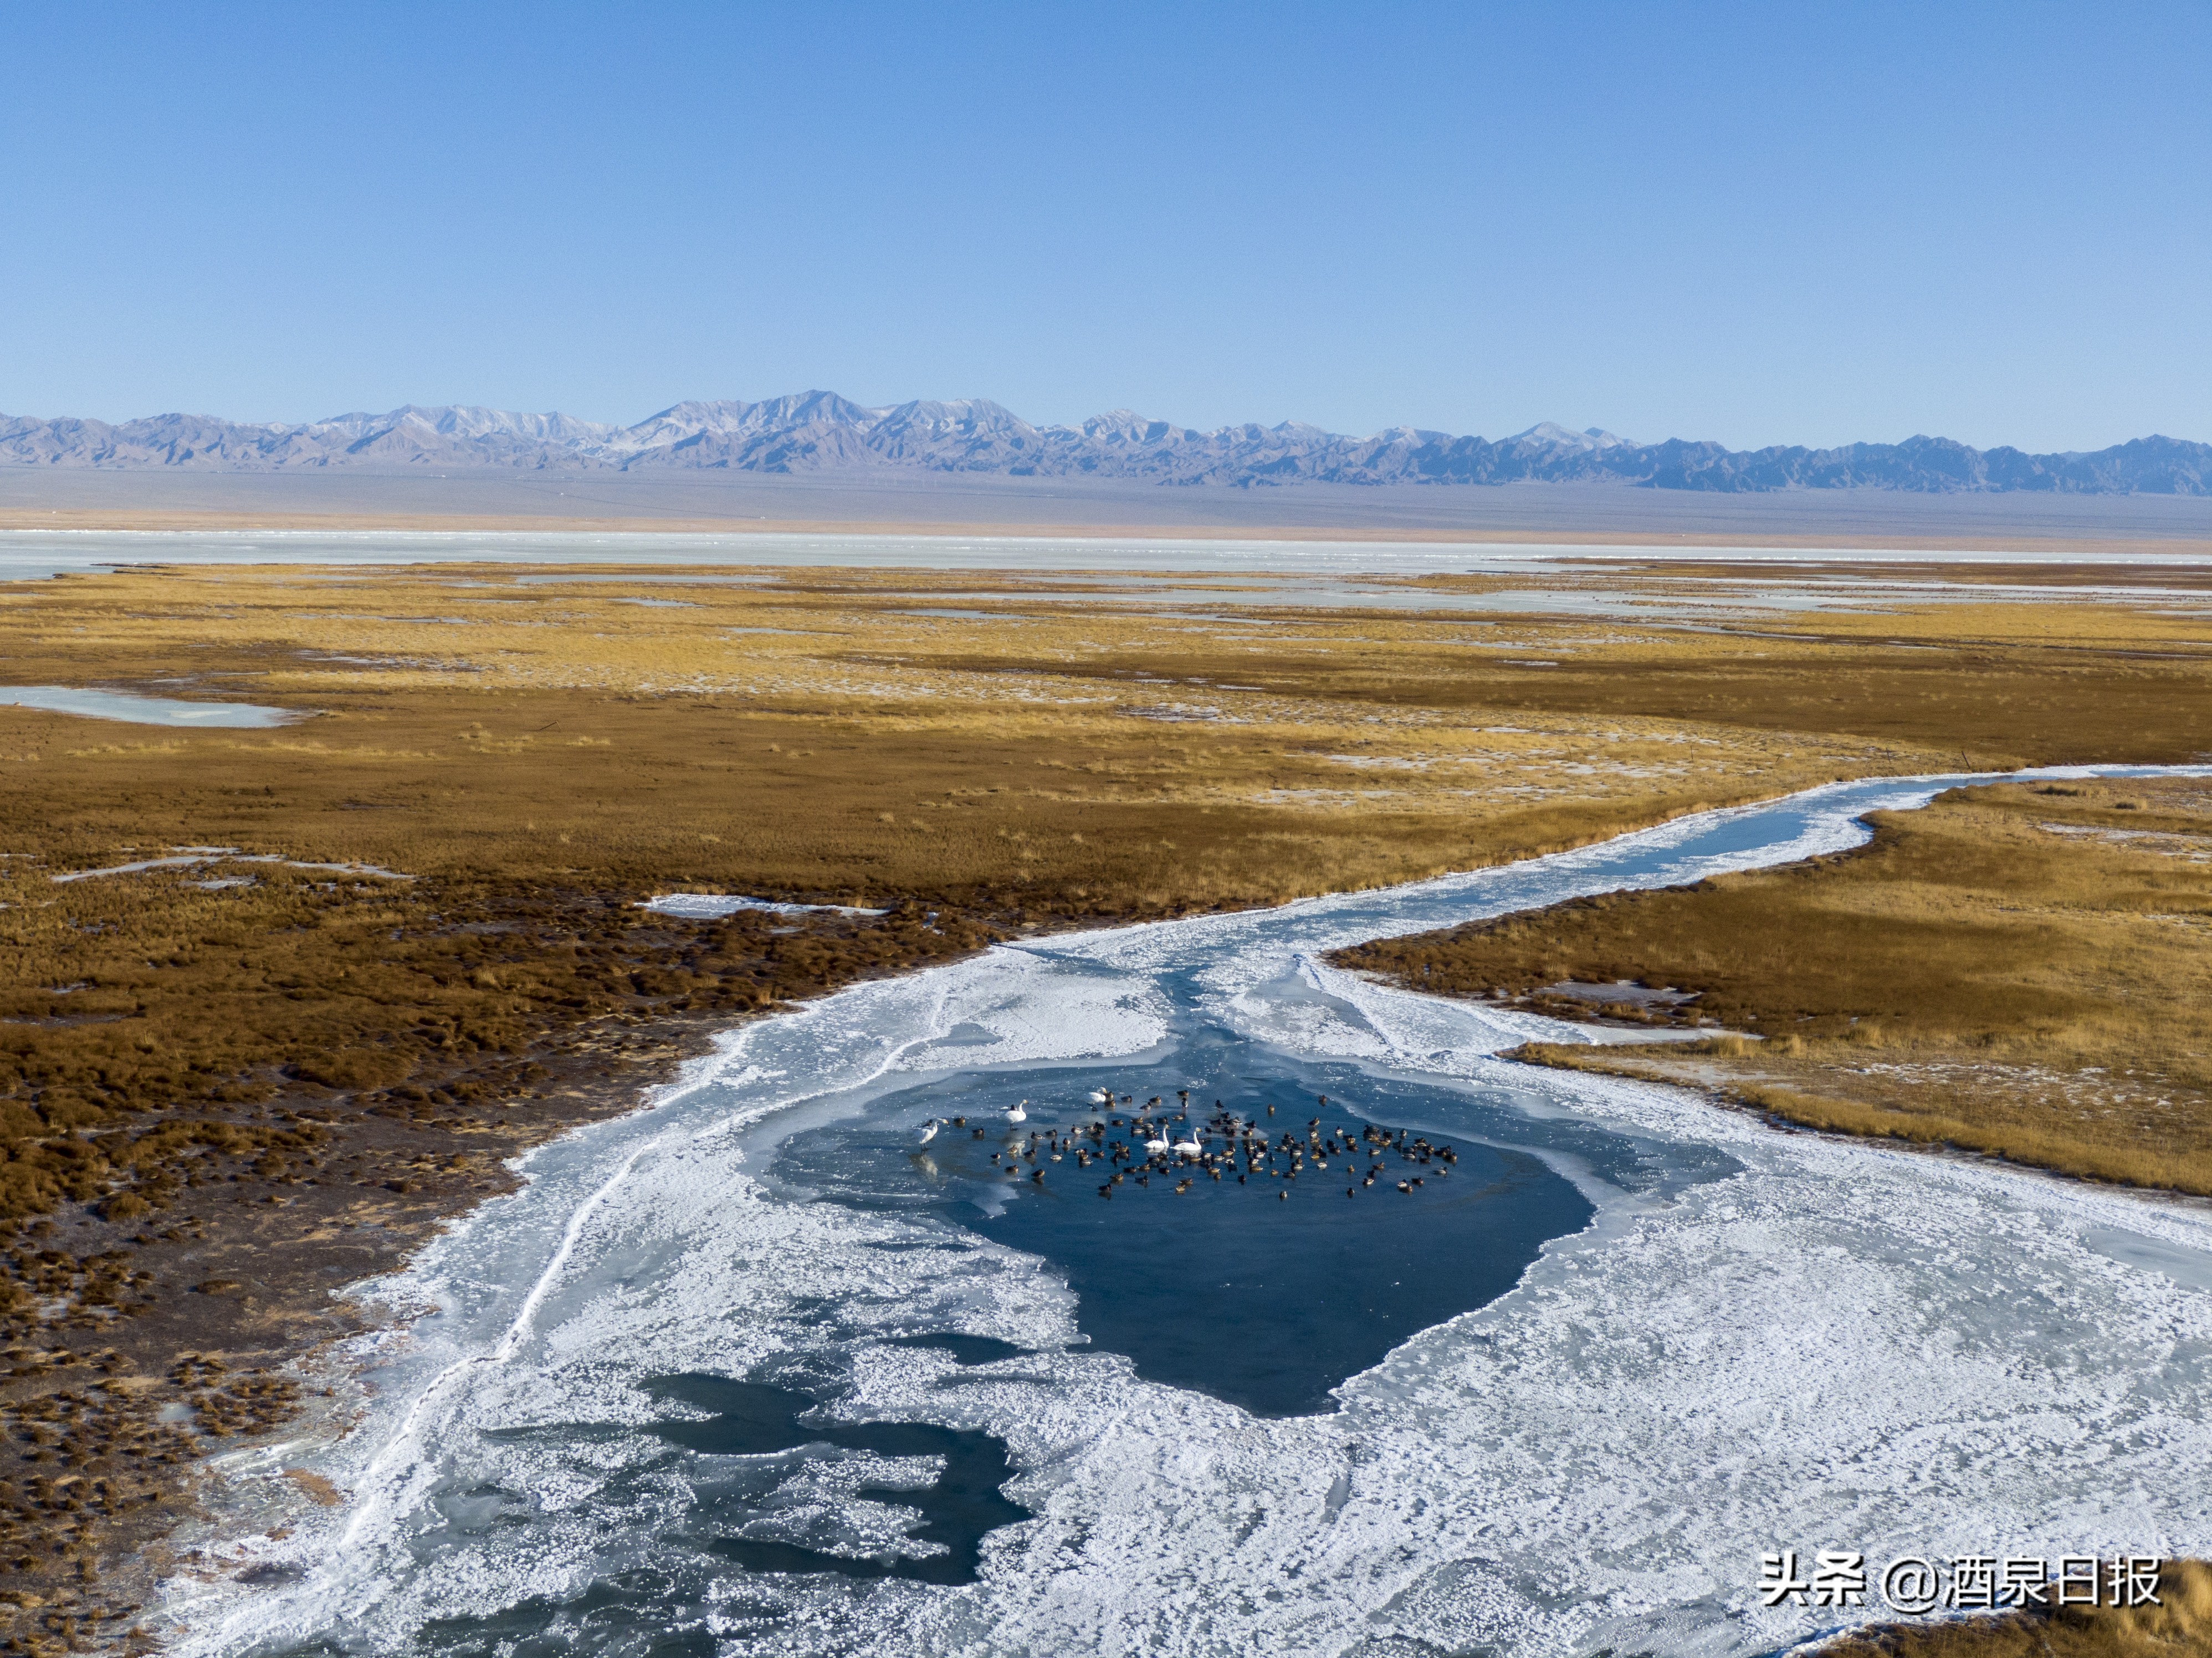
(1976, 683)
(2019, 969)
(228, 1088)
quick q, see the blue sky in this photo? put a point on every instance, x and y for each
(1792, 223)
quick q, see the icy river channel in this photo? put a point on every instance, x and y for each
(754, 1369)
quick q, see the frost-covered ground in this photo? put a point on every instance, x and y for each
(1773, 1341)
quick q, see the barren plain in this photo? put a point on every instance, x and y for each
(277, 1000)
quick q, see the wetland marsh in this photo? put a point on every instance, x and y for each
(1562, 1436)
(236, 1089)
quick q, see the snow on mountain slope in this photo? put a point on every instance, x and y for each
(820, 431)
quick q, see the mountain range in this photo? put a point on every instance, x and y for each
(820, 431)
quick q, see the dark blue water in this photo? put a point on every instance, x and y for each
(752, 1418)
(736, 1443)
(1257, 1275)
(619, 1614)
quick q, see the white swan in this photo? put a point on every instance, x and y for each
(930, 1132)
(1189, 1148)
(1158, 1143)
(1016, 1113)
(1102, 1096)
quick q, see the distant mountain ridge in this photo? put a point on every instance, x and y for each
(820, 431)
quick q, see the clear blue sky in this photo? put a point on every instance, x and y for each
(1758, 223)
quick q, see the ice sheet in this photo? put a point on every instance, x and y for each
(1835, 1344)
(712, 907)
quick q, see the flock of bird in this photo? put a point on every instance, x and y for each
(1147, 1143)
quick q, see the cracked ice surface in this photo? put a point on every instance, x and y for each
(1831, 1344)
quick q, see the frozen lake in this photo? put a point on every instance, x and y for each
(754, 1371)
(134, 709)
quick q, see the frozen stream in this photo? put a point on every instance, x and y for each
(715, 1345)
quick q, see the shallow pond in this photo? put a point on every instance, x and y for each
(1241, 1271)
(137, 710)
